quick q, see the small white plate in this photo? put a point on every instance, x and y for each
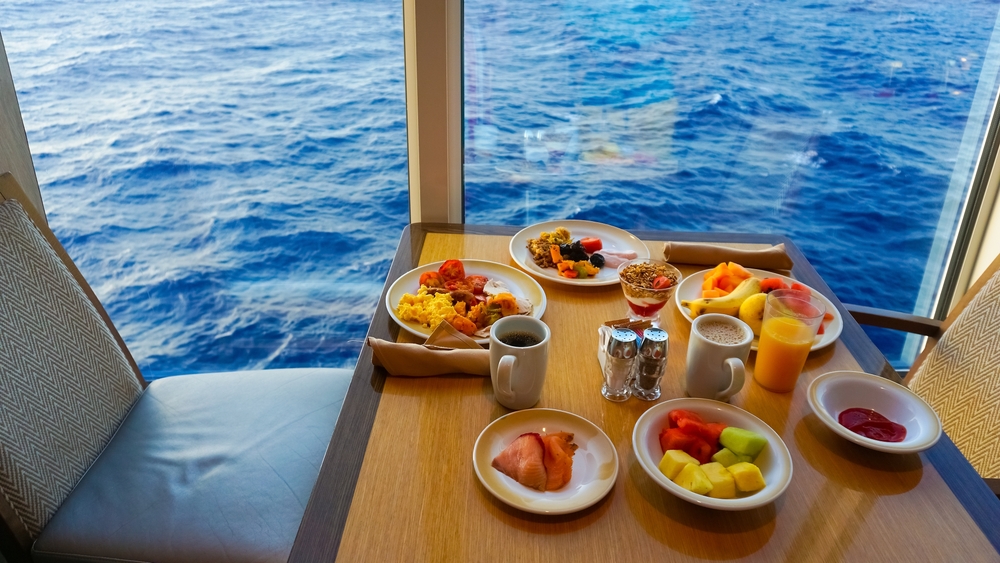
(690, 289)
(611, 237)
(774, 461)
(595, 464)
(520, 284)
(832, 393)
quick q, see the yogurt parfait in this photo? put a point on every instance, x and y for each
(648, 284)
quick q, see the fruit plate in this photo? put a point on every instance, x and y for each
(520, 284)
(774, 461)
(611, 237)
(690, 289)
(595, 464)
(834, 392)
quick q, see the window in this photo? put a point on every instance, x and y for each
(230, 178)
(853, 127)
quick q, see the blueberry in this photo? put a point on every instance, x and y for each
(597, 260)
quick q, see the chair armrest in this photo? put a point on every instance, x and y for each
(894, 320)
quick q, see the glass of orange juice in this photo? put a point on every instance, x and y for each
(791, 320)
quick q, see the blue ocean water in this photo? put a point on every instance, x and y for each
(231, 177)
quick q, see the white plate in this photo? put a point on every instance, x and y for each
(690, 289)
(520, 285)
(774, 461)
(595, 464)
(832, 393)
(611, 237)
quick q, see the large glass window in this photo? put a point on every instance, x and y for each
(850, 126)
(230, 177)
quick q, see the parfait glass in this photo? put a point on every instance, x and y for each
(647, 284)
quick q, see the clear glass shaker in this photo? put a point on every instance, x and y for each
(650, 364)
(621, 352)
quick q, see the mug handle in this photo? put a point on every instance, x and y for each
(505, 367)
(738, 374)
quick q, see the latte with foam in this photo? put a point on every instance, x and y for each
(722, 333)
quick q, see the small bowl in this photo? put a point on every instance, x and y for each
(774, 462)
(834, 392)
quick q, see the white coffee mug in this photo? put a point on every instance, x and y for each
(717, 353)
(519, 356)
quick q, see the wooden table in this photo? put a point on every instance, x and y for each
(398, 484)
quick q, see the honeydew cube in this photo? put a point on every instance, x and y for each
(725, 457)
(694, 479)
(742, 442)
(675, 460)
(747, 476)
(723, 483)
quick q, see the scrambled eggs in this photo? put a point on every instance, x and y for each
(428, 310)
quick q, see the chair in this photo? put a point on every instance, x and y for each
(958, 372)
(96, 465)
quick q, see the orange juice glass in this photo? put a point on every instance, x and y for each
(791, 320)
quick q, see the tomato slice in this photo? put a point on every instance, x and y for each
(452, 270)
(591, 244)
(477, 283)
(431, 279)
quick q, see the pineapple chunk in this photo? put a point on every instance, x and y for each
(723, 484)
(747, 476)
(694, 479)
(673, 461)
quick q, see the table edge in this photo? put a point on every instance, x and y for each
(329, 505)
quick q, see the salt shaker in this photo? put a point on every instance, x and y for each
(621, 352)
(650, 364)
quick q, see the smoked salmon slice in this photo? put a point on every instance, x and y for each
(544, 463)
(559, 451)
(523, 461)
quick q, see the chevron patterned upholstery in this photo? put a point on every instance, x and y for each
(960, 378)
(65, 385)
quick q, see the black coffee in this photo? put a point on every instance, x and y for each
(519, 339)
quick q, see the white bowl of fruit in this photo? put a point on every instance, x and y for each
(712, 454)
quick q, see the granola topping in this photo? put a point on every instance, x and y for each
(639, 278)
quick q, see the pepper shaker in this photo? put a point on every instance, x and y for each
(650, 364)
(621, 353)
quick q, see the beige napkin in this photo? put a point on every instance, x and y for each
(773, 258)
(446, 351)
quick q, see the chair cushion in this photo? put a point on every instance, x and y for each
(65, 385)
(209, 467)
(960, 378)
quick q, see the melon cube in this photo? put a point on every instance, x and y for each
(723, 484)
(747, 476)
(694, 479)
(742, 442)
(725, 457)
(675, 460)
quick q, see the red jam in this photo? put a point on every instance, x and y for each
(871, 424)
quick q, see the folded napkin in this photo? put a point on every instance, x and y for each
(446, 351)
(773, 258)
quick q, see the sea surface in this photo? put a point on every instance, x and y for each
(231, 177)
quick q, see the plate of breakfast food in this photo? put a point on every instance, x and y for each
(545, 461)
(741, 292)
(712, 454)
(469, 294)
(575, 252)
